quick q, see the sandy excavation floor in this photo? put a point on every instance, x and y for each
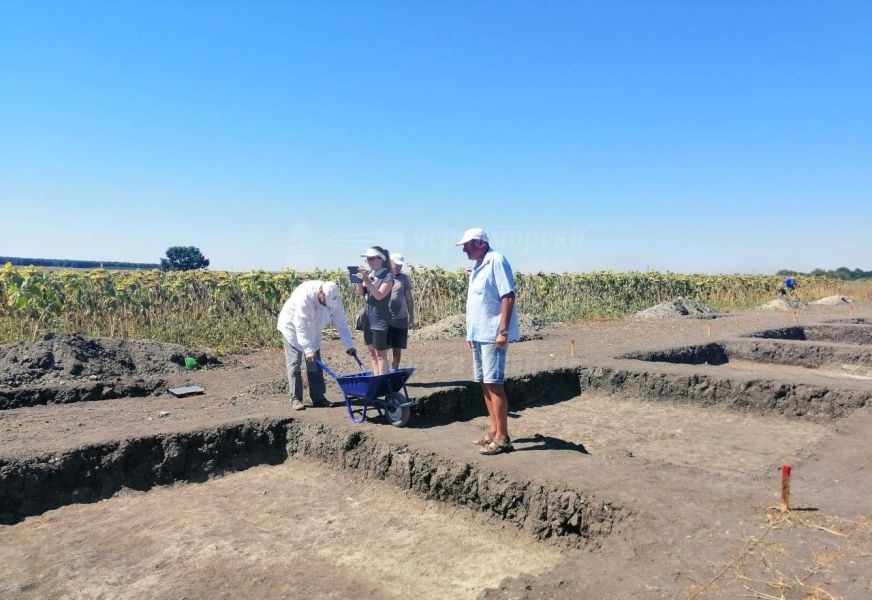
(695, 486)
(298, 530)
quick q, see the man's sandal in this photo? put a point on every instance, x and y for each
(484, 440)
(496, 447)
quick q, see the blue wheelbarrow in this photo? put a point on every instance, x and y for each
(387, 394)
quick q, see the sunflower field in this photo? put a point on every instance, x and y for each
(237, 311)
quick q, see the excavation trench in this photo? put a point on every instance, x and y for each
(91, 473)
(66, 393)
(758, 395)
(843, 333)
(565, 514)
(781, 351)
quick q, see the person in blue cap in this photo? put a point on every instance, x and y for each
(789, 286)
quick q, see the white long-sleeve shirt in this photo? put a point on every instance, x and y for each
(302, 319)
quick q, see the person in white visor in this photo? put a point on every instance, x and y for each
(375, 287)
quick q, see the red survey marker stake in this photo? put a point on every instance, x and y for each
(785, 488)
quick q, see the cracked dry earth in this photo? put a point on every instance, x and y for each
(649, 476)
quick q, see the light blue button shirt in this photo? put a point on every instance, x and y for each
(488, 283)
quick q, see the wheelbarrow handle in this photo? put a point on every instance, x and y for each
(334, 375)
(326, 368)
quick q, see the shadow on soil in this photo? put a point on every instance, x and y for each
(546, 442)
(441, 384)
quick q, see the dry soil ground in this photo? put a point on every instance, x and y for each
(640, 493)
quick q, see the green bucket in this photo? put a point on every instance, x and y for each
(191, 363)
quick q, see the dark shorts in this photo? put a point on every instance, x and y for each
(398, 337)
(375, 338)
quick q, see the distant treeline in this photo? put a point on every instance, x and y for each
(843, 273)
(74, 264)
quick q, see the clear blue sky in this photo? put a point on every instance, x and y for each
(690, 136)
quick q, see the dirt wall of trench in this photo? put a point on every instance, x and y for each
(548, 512)
(835, 333)
(764, 350)
(802, 354)
(11, 398)
(95, 472)
(757, 395)
(464, 400)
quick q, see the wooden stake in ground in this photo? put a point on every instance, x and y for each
(572, 347)
(794, 316)
(784, 506)
(709, 330)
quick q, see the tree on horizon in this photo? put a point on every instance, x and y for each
(183, 258)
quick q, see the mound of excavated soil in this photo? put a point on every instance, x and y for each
(834, 300)
(783, 304)
(67, 357)
(454, 327)
(680, 307)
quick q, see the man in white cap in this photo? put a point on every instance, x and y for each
(491, 323)
(311, 307)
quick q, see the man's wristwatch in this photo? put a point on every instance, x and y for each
(503, 332)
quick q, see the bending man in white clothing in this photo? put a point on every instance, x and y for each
(311, 307)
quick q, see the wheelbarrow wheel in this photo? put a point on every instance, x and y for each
(397, 414)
